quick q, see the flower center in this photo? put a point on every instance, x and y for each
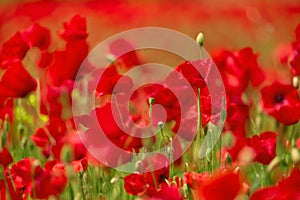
(279, 98)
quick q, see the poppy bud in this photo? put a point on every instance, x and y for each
(295, 155)
(296, 82)
(151, 100)
(160, 125)
(200, 39)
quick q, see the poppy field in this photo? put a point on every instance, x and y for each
(158, 100)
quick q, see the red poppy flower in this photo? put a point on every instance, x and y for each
(37, 36)
(21, 175)
(190, 72)
(166, 192)
(50, 98)
(237, 116)
(109, 120)
(237, 69)
(80, 165)
(6, 108)
(224, 186)
(282, 102)
(75, 29)
(78, 149)
(135, 184)
(155, 168)
(298, 143)
(195, 180)
(204, 186)
(248, 59)
(66, 63)
(153, 171)
(295, 60)
(16, 81)
(13, 50)
(40, 138)
(5, 157)
(162, 96)
(109, 78)
(2, 189)
(264, 147)
(48, 183)
(234, 151)
(124, 61)
(286, 189)
(54, 142)
(30, 178)
(45, 60)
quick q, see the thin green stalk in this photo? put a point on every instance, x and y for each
(119, 111)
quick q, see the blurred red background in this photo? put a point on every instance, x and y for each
(261, 24)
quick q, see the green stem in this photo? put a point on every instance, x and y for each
(81, 185)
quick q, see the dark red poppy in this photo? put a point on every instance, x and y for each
(5, 157)
(37, 36)
(75, 29)
(16, 81)
(282, 102)
(263, 145)
(135, 184)
(289, 188)
(13, 50)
